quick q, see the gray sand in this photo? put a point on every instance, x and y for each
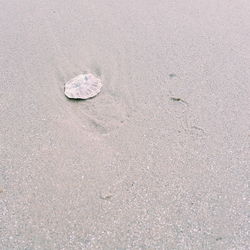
(159, 159)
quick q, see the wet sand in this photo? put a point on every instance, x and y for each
(159, 159)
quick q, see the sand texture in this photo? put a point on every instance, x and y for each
(159, 159)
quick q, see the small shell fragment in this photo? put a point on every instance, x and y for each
(83, 86)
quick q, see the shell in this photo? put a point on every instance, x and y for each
(83, 86)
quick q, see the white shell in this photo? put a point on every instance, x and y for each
(83, 86)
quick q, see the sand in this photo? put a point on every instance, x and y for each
(159, 159)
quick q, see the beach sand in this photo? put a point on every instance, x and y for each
(159, 159)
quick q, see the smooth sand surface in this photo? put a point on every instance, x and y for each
(159, 159)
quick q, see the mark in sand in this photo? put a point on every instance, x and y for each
(195, 130)
(198, 128)
(106, 197)
(172, 75)
(177, 99)
(218, 238)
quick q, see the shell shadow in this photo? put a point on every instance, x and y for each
(79, 99)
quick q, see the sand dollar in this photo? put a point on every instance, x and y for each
(83, 86)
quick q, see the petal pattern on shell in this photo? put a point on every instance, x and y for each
(83, 86)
